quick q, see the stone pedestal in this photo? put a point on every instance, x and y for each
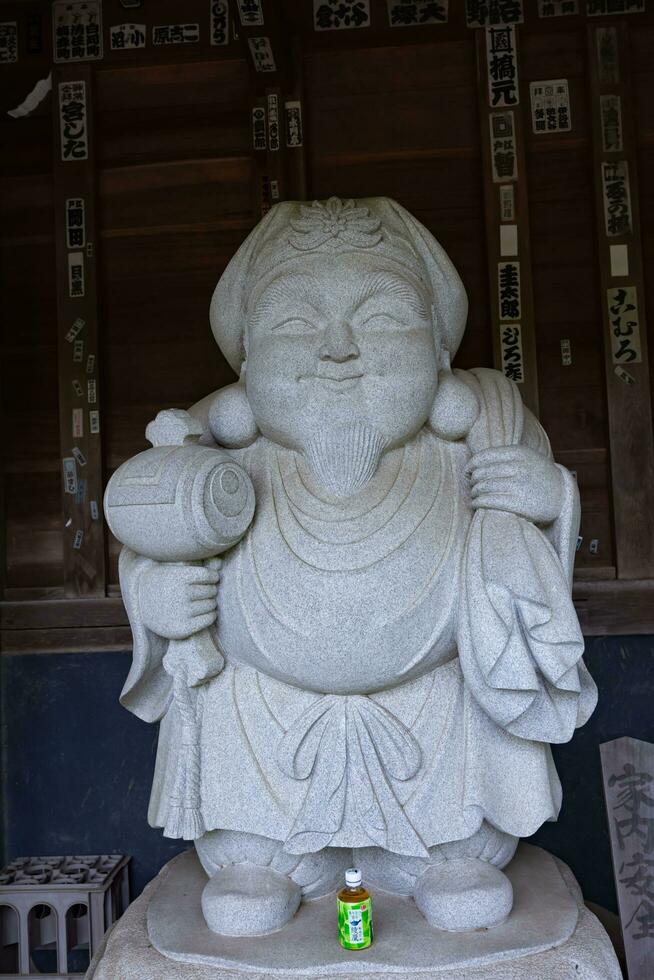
(549, 935)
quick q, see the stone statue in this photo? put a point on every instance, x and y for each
(383, 653)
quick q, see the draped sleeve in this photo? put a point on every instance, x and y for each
(519, 640)
(147, 692)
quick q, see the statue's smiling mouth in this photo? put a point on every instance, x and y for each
(334, 382)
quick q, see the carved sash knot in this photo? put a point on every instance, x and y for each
(350, 748)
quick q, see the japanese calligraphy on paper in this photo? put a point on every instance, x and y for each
(258, 128)
(628, 771)
(507, 203)
(557, 8)
(218, 22)
(75, 223)
(262, 55)
(512, 362)
(624, 327)
(502, 64)
(486, 13)
(8, 42)
(332, 15)
(77, 30)
(508, 282)
(125, 37)
(250, 12)
(611, 118)
(550, 106)
(417, 12)
(617, 198)
(608, 59)
(294, 136)
(273, 122)
(72, 121)
(504, 158)
(599, 8)
(75, 274)
(176, 34)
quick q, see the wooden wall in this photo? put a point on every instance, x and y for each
(386, 111)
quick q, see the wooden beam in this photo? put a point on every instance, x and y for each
(506, 211)
(77, 330)
(275, 64)
(622, 298)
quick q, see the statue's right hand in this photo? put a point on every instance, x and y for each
(178, 600)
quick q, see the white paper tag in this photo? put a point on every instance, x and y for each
(72, 121)
(262, 55)
(294, 135)
(502, 67)
(164, 34)
(8, 42)
(75, 222)
(619, 260)
(78, 423)
(550, 106)
(624, 325)
(77, 327)
(77, 30)
(219, 22)
(508, 283)
(127, 37)
(76, 275)
(70, 475)
(94, 422)
(508, 240)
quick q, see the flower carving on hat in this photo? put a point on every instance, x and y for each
(337, 222)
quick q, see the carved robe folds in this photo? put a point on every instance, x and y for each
(464, 622)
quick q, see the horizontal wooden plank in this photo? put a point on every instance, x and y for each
(174, 192)
(383, 70)
(62, 613)
(173, 86)
(68, 640)
(605, 607)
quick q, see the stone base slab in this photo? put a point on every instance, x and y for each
(549, 935)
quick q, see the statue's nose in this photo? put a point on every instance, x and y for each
(338, 344)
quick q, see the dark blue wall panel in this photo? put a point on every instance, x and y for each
(78, 767)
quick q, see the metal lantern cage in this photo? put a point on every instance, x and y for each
(54, 911)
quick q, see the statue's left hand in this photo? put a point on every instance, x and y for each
(518, 480)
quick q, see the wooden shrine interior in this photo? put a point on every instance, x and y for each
(177, 186)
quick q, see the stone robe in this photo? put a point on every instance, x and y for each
(463, 621)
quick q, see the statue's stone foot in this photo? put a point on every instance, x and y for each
(463, 894)
(249, 901)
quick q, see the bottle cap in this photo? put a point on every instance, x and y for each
(352, 877)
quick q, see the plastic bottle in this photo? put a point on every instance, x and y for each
(354, 913)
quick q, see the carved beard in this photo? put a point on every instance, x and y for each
(343, 458)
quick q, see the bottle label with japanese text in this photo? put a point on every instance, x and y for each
(355, 924)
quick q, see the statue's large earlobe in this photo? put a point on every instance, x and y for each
(231, 420)
(455, 408)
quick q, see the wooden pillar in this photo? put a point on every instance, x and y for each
(622, 300)
(77, 330)
(506, 209)
(273, 58)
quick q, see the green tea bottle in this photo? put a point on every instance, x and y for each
(354, 913)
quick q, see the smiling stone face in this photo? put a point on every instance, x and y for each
(340, 351)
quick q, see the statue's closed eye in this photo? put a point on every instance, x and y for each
(384, 321)
(295, 326)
